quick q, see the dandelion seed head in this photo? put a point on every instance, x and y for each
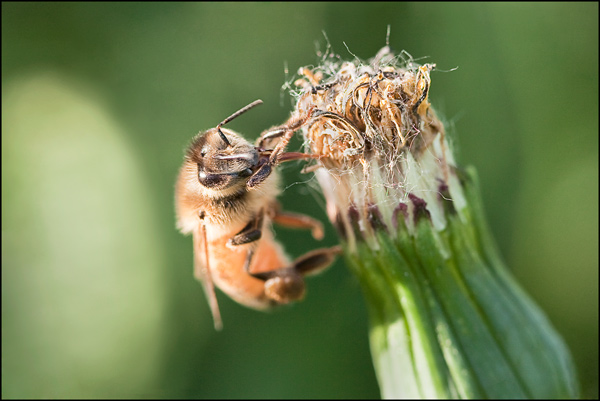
(379, 138)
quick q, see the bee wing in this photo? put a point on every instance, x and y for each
(202, 272)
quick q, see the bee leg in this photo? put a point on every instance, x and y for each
(259, 175)
(286, 284)
(245, 237)
(250, 233)
(316, 261)
(310, 263)
(278, 154)
(272, 134)
(202, 272)
(266, 169)
(248, 260)
(287, 129)
(296, 220)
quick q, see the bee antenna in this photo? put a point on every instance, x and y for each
(234, 115)
(223, 137)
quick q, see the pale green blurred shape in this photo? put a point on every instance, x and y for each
(81, 302)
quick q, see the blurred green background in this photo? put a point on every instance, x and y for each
(99, 102)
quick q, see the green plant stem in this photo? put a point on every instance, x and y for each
(447, 319)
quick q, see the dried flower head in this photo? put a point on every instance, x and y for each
(386, 156)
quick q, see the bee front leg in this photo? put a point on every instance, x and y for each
(278, 155)
(293, 124)
(266, 169)
(259, 175)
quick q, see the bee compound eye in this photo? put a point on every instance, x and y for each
(211, 180)
(286, 288)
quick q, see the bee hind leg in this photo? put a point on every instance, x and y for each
(286, 285)
(316, 261)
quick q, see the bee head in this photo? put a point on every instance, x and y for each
(224, 158)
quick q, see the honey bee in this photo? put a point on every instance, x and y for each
(226, 196)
